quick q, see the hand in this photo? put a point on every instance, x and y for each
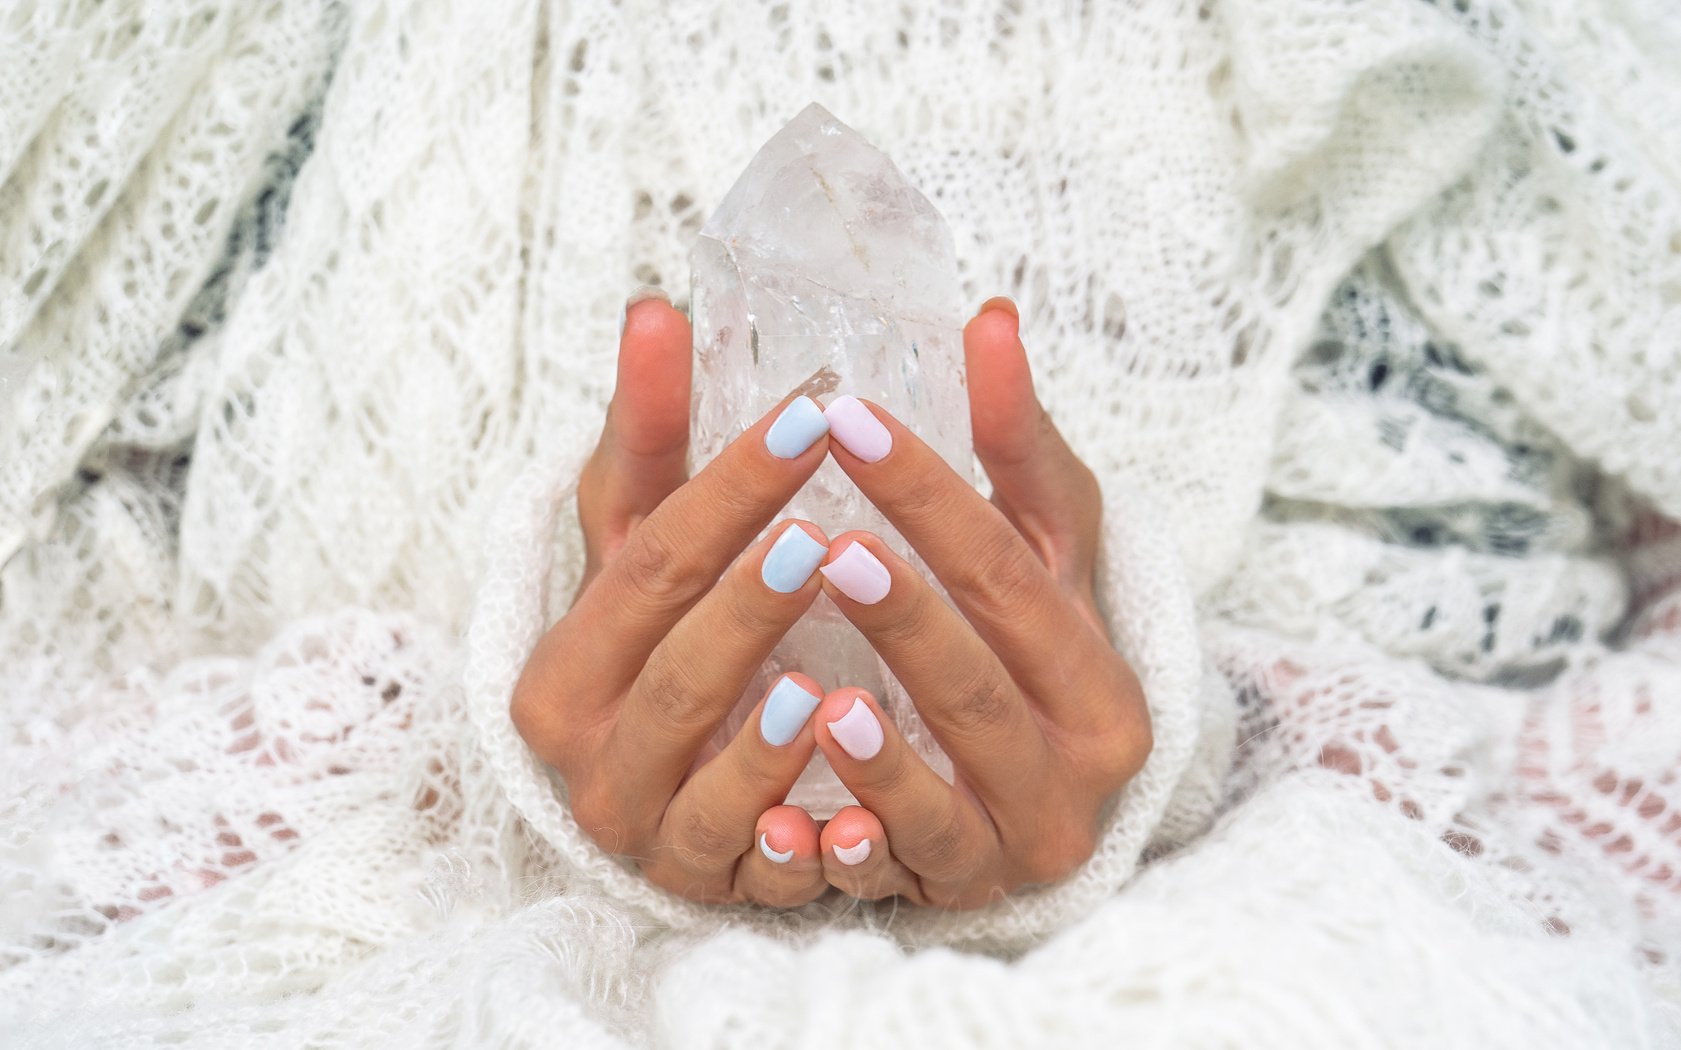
(1043, 720)
(623, 694)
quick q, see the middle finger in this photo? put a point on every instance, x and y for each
(960, 687)
(696, 675)
(1002, 587)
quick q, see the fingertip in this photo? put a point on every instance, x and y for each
(850, 725)
(789, 558)
(804, 681)
(811, 529)
(841, 542)
(998, 319)
(850, 827)
(785, 833)
(1003, 408)
(854, 567)
(652, 387)
(649, 315)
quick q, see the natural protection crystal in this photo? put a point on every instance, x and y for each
(825, 271)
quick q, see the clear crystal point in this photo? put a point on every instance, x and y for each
(822, 270)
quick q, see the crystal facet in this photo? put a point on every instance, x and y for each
(825, 271)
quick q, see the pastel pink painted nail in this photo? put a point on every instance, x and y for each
(853, 424)
(853, 855)
(859, 574)
(857, 732)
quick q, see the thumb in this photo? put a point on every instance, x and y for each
(642, 455)
(1038, 482)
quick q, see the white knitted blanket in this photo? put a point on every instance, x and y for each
(307, 317)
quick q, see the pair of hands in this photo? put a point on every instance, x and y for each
(1043, 720)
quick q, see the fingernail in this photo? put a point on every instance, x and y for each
(857, 429)
(791, 560)
(857, 732)
(853, 855)
(859, 574)
(786, 709)
(1001, 302)
(642, 294)
(775, 857)
(800, 424)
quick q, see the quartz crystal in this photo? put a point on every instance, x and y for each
(824, 270)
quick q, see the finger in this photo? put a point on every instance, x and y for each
(1038, 482)
(679, 550)
(709, 825)
(1002, 587)
(641, 456)
(936, 831)
(696, 675)
(782, 869)
(959, 685)
(858, 861)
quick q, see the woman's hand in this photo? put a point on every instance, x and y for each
(624, 693)
(1043, 720)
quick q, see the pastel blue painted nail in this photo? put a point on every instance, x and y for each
(791, 560)
(786, 710)
(800, 424)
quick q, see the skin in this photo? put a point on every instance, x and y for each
(1043, 719)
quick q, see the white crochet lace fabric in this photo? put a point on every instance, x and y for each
(307, 318)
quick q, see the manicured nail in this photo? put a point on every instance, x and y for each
(791, 560)
(786, 709)
(859, 574)
(853, 855)
(642, 294)
(857, 428)
(800, 424)
(775, 857)
(857, 732)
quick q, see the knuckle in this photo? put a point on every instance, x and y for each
(1004, 579)
(945, 853)
(1121, 746)
(527, 715)
(743, 502)
(600, 819)
(926, 503)
(1058, 852)
(1088, 489)
(708, 842)
(671, 689)
(656, 571)
(983, 701)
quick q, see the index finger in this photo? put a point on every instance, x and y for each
(678, 552)
(997, 581)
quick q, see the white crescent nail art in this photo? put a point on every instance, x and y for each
(853, 854)
(775, 857)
